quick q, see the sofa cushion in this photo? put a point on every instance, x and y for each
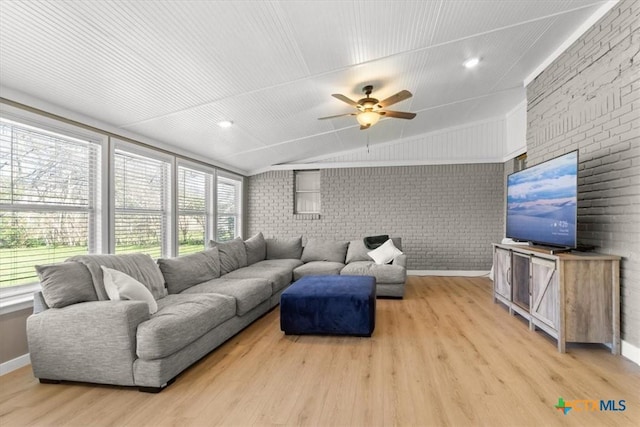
(284, 248)
(256, 248)
(120, 286)
(139, 266)
(383, 273)
(385, 253)
(249, 293)
(315, 268)
(279, 272)
(66, 283)
(185, 271)
(180, 320)
(324, 250)
(233, 255)
(358, 251)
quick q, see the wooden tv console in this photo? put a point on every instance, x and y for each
(574, 297)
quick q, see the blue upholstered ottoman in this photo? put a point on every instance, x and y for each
(331, 305)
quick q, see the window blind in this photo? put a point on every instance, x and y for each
(229, 207)
(142, 195)
(194, 197)
(48, 199)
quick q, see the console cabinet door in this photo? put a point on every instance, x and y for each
(502, 273)
(545, 304)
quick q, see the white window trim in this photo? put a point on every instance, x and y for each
(229, 175)
(16, 298)
(210, 210)
(296, 192)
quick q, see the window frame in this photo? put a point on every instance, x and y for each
(296, 192)
(210, 201)
(240, 201)
(20, 297)
(167, 246)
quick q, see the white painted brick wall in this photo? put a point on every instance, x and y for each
(447, 215)
(589, 99)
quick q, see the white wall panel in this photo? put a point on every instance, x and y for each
(515, 142)
(478, 142)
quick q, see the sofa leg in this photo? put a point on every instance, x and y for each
(47, 381)
(151, 389)
(156, 389)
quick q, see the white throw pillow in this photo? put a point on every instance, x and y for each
(120, 286)
(385, 253)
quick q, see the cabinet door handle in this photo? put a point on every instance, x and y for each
(509, 275)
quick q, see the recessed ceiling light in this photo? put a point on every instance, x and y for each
(225, 124)
(470, 63)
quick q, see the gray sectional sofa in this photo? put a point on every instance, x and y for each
(78, 334)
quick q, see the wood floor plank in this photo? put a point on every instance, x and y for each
(446, 355)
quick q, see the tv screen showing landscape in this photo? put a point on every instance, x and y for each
(542, 202)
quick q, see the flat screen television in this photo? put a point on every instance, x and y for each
(542, 202)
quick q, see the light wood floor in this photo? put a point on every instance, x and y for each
(445, 355)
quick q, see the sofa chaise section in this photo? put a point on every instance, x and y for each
(390, 278)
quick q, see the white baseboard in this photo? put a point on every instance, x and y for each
(631, 352)
(14, 364)
(463, 273)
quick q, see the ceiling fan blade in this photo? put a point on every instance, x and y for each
(337, 115)
(363, 127)
(400, 96)
(398, 114)
(345, 99)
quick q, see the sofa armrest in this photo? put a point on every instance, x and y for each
(400, 260)
(89, 342)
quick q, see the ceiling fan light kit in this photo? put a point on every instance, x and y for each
(368, 118)
(370, 109)
(471, 63)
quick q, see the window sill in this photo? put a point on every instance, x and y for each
(18, 298)
(306, 216)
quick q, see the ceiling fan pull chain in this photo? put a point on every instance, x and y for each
(368, 144)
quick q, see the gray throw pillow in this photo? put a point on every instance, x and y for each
(256, 248)
(233, 255)
(66, 283)
(139, 266)
(321, 250)
(284, 248)
(185, 271)
(357, 251)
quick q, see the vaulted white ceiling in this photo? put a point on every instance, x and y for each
(171, 70)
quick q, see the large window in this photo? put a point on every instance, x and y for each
(49, 199)
(229, 207)
(142, 195)
(195, 208)
(307, 192)
(67, 190)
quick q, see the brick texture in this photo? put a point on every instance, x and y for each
(589, 99)
(447, 215)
